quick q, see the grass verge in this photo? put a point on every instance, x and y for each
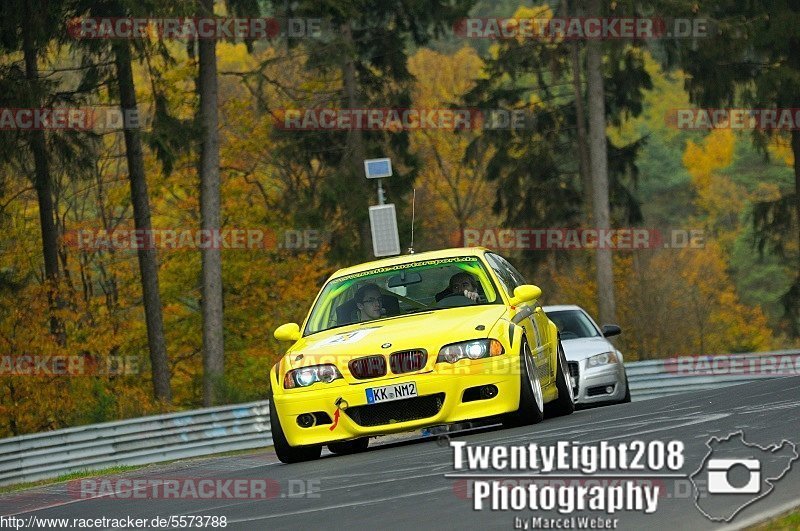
(67, 477)
(785, 522)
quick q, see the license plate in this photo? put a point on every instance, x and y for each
(388, 393)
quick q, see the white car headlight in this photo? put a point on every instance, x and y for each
(474, 350)
(311, 375)
(606, 358)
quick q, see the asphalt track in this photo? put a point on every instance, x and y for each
(403, 485)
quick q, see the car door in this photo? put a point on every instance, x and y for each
(529, 315)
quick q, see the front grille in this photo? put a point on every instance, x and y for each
(408, 361)
(418, 407)
(573, 371)
(368, 367)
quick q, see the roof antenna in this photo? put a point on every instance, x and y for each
(413, 204)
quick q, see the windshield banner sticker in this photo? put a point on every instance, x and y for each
(408, 265)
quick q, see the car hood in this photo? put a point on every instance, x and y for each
(578, 349)
(428, 330)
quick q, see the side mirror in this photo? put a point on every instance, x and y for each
(287, 332)
(525, 293)
(611, 330)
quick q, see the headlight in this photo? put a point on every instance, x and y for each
(606, 358)
(310, 375)
(473, 350)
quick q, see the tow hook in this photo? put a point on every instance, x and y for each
(341, 404)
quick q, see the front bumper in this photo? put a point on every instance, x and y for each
(451, 381)
(593, 383)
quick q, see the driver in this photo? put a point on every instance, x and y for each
(369, 302)
(463, 284)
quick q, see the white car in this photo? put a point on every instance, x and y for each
(595, 365)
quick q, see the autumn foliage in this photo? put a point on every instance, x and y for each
(670, 302)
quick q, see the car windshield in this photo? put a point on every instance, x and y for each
(573, 324)
(401, 290)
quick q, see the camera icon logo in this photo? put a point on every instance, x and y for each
(719, 481)
(736, 473)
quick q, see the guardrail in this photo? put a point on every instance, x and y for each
(658, 378)
(138, 441)
(246, 426)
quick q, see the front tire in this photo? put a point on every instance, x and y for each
(286, 453)
(530, 409)
(565, 403)
(627, 397)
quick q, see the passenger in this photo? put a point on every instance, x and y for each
(369, 302)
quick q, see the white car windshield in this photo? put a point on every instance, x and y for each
(573, 324)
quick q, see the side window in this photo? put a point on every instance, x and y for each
(507, 272)
(516, 275)
(503, 273)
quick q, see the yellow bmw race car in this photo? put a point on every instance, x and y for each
(411, 342)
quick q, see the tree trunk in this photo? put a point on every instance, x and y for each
(584, 163)
(213, 338)
(148, 267)
(355, 138)
(598, 152)
(44, 189)
(796, 153)
(793, 297)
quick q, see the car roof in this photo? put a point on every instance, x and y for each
(411, 258)
(562, 307)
